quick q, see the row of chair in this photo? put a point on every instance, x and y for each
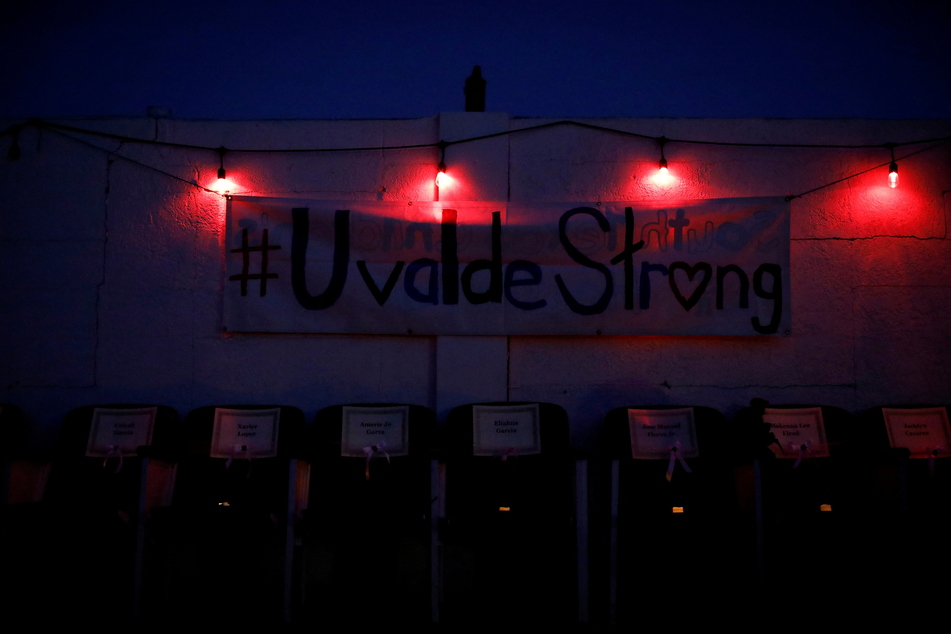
(498, 521)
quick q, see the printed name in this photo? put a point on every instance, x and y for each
(506, 426)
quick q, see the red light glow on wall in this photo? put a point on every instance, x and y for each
(886, 210)
(680, 180)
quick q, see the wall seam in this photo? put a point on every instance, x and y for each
(508, 198)
(110, 159)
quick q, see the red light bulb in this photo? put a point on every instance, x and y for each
(442, 179)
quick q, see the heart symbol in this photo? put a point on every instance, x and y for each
(691, 271)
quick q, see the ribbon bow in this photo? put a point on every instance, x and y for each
(931, 460)
(371, 451)
(676, 457)
(113, 452)
(803, 450)
(507, 452)
(240, 451)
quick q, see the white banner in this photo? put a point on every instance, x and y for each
(706, 267)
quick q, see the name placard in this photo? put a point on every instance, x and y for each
(795, 428)
(921, 431)
(245, 433)
(505, 429)
(384, 427)
(119, 431)
(655, 431)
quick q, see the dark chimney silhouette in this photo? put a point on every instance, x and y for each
(475, 91)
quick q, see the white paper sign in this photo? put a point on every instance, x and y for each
(921, 431)
(382, 427)
(245, 433)
(655, 431)
(502, 430)
(686, 267)
(798, 428)
(120, 431)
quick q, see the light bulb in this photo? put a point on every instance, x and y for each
(893, 175)
(222, 185)
(442, 179)
(662, 177)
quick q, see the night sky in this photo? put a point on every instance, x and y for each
(351, 59)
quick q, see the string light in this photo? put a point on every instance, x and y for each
(663, 159)
(662, 177)
(442, 179)
(893, 168)
(222, 185)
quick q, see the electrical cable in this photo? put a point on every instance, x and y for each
(865, 171)
(135, 162)
(186, 146)
(588, 126)
(59, 128)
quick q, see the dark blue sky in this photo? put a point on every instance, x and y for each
(246, 59)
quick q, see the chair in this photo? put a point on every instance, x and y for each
(810, 501)
(369, 524)
(223, 552)
(676, 532)
(910, 498)
(515, 516)
(82, 545)
(13, 447)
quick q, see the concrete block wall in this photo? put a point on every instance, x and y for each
(111, 274)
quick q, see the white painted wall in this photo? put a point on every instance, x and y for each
(111, 274)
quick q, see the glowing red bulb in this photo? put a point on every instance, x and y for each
(662, 178)
(893, 175)
(222, 186)
(442, 179)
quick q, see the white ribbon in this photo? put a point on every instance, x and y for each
(371, 451)
(931, 460)
(113, 452)
(803, 450)
(240, 451)
(676, 457)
